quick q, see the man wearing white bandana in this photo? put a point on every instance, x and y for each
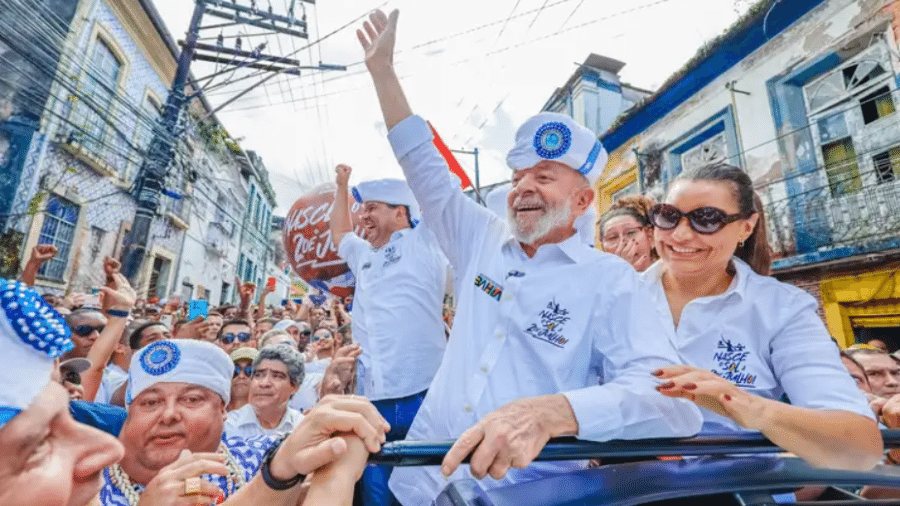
(400, 278)
(176, 453)
(550, 337)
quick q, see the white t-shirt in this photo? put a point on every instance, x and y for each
(113, 378)
(764, 336)
(397, 309)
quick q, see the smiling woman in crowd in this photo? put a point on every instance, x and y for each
(625, 231)
(749, 339)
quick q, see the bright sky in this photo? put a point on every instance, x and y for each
(475, 83)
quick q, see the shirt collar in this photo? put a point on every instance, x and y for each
(247, 416)
(737, 287)
(573, 247)
(394, 237)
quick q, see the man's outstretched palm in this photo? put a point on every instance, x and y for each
(377, 38)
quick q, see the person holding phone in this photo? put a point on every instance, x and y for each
(400, 277)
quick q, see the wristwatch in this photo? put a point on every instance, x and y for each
(264, 469)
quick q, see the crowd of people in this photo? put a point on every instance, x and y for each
(674, 327)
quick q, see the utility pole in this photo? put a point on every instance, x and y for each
(474, 151)
(161, 152)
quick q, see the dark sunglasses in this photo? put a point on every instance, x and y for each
(247, 370)
(703, 220)
(85, 330)
(72, 377)
(306, 333)
(240, 336)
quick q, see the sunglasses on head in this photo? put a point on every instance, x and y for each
(86, 330)
(240, 336)
(703, 220)
(247, 370)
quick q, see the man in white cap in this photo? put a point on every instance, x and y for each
(173, 436)
(400, 278)
(550, 337)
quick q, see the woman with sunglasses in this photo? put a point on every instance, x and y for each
(625, 231)
(750, 339)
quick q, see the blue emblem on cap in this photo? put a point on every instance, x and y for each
(160, 358)
(35, 322)
(552, 140)
(356, 196)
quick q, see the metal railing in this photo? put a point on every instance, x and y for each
(813, 216)
(429, 453)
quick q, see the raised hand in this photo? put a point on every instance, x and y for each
(111, 266)
(377, 38)
(246, 290)
(43, 252)
(342, 174)
(338, 374)
(118, 294)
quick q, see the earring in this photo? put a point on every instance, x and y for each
(741, 244)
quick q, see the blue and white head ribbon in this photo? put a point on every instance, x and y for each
(557, 137)
(180, 361)
(32, 334)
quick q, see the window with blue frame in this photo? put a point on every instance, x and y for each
(60, 221)
(713, 140)
(844, 106)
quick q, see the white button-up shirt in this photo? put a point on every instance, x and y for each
(397, 311)
(243, 423)
(569, 320)
(113, 378)
(764, 336)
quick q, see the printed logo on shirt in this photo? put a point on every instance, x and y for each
(553, 317)
(366, 265)
(489, 286)
(391, 255)
(730, 358)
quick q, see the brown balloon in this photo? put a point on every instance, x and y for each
(307, 239)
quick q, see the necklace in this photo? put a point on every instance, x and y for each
(121, 480)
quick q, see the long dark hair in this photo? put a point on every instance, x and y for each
(755, 250)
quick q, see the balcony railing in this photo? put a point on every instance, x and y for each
(805, 215)
(179, 209)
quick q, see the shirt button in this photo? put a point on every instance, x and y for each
(468, 408)
(499, 335)
(484, 368)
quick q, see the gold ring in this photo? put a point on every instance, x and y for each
(192, 486)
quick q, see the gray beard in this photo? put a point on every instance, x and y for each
(554, 218)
